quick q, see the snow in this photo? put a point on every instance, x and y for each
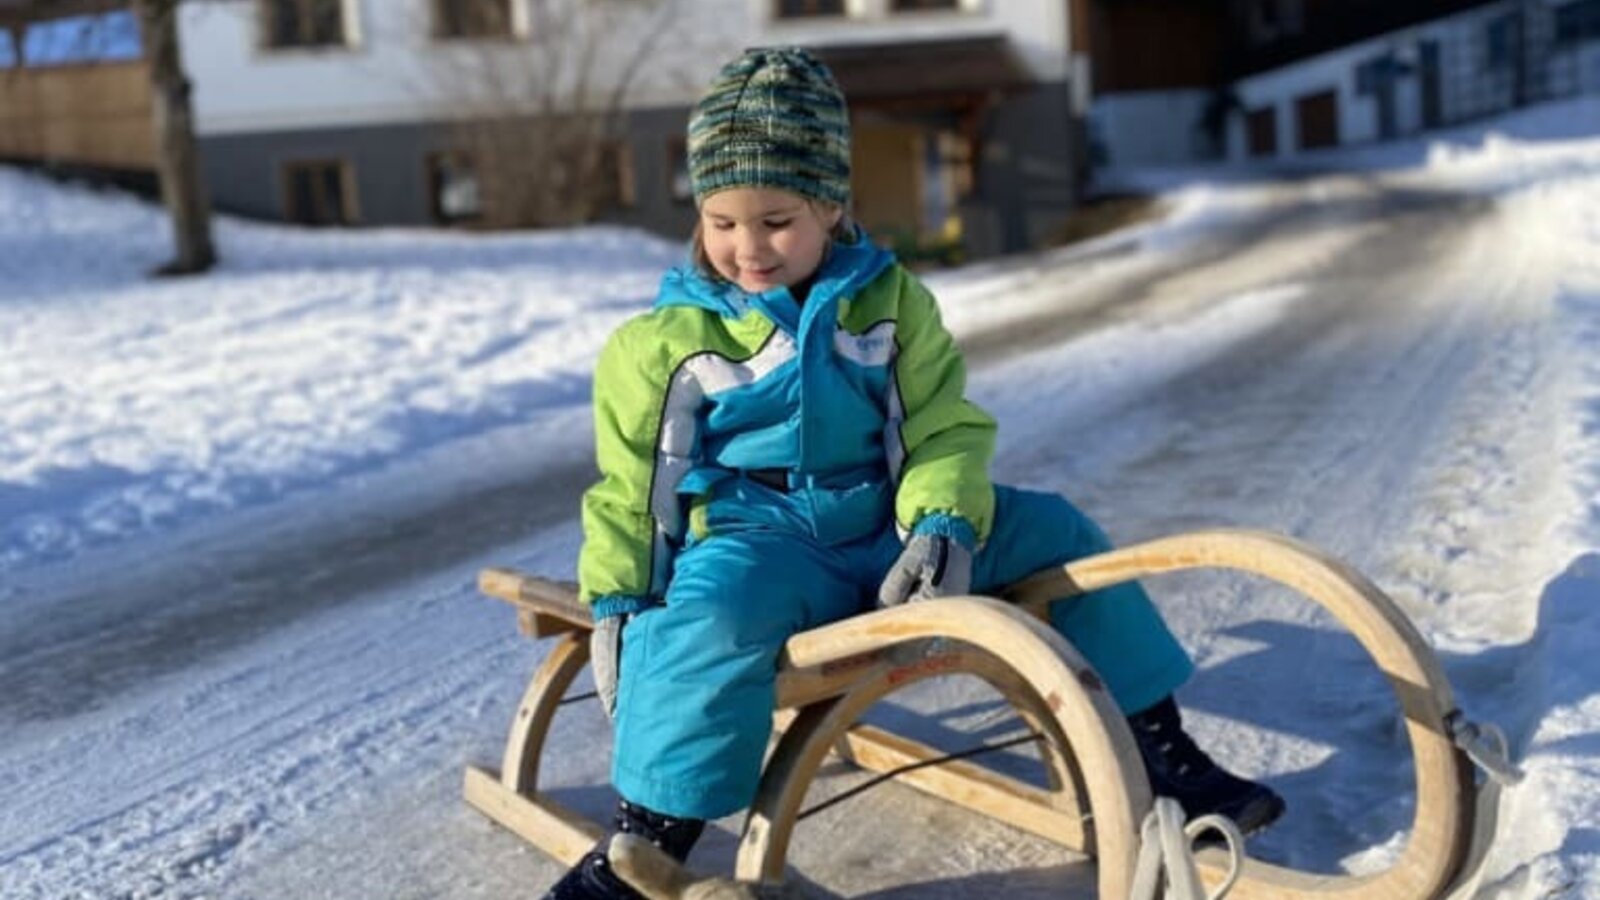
(240, 649)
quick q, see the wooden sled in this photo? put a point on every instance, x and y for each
(830, 676)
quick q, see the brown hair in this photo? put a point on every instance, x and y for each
(842, 230)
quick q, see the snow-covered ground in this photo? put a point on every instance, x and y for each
(240, 515)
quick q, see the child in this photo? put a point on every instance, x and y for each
(783, 441)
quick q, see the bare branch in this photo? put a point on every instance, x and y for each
(537, 112)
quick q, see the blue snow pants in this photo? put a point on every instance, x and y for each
(697, 676)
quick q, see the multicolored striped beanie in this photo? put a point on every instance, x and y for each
(772, 118)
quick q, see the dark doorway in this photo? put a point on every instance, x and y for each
(1317, 119)
(1262, 127)
(1428, 68)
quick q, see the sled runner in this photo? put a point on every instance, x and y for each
(831, 675)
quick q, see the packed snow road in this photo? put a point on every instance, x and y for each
(278, 703)
(235, 585)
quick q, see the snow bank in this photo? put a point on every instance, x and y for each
(136, 405)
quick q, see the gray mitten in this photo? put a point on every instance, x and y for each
(605, 656)
(931, 565)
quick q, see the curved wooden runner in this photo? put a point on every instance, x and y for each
(1441, 829)
(831, 675)
(1048, 682)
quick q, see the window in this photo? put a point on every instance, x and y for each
(303, 23)
(918, 5)
(472, 18)
(1577, 22)
(8, 49)
(797, 9)
(1502, 40)
(1317, 118)
(678, 184)
(319, 192)
(1379, 73)
(453, 188)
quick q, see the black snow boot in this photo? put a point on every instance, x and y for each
(592, 878)
(1179, 769)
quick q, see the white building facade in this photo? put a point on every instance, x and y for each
(345, 111)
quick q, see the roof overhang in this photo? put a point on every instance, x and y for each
(895, 71)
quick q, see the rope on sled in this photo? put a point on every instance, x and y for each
(870, 783)
(1166, 854)
(1486, 745)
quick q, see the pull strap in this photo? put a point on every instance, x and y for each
(1166, 854)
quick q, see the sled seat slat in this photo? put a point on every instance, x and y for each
(548, 825)
(545, 608)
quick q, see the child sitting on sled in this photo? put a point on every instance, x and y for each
(784, 441)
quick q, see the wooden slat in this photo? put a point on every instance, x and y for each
(563, 834)
(545, 608)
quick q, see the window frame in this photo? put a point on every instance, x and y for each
(894, 8)
(1501, 35)
(512, 30)
(348, 199)
(778, 14)
(433, 169)
(1576, 23)
(267, 27)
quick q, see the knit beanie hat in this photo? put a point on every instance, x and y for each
(772, 118)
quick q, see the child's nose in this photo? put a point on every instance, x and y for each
(751, 245)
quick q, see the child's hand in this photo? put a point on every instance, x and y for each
(930, 566)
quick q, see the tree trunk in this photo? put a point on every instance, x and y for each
(182, 188)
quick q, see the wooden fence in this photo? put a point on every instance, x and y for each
(91, 115)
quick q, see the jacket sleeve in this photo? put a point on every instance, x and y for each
(948, 441)
(624, 550)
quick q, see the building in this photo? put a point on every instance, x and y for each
(1271, 79)
(968, 118)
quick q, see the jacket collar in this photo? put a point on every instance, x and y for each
(849, 266)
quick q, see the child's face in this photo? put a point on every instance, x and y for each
(761, 238)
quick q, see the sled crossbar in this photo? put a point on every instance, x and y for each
(828, 677)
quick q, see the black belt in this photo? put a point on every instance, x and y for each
(777, 479)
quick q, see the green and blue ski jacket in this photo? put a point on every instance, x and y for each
(859, 385)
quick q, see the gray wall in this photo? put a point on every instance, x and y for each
(651, 134)
(244, 172)
(1027, 178)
